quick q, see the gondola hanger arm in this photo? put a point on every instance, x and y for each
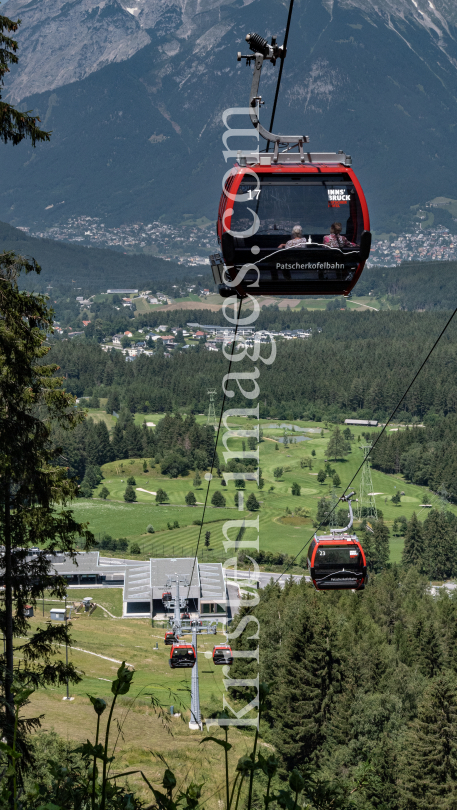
(270, 53)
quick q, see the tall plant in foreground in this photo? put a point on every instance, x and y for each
(35, 490)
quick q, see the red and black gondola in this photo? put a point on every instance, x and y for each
(182, 656)
(337, 563)
(222, 654)
(260, 207)
(170, 638)
(289, 221)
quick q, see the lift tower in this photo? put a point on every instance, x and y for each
(211, 420)
(366, 496)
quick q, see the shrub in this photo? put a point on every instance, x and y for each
(161, 496)
(85, 490)
(122, 544)
(196, 522)
(321, 476)
(174, 464)
(135, 548)
(277, 472)
(104, 492)
(190, 499)
(296, 489)
(150, 529)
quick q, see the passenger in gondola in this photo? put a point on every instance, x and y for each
(298, 240)
(336, 239)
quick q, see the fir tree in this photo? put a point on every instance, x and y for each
(296, 489)
(414, 548)
(440, 546)
(428, 772)
(118, 444)
(113, 403)
(14, 125)
(35, 490)
(305, 680)
(218, 499)
(252, 503)
(321, 476)
(381, 544)
(197, 480)
(129, 494)
(338, 446)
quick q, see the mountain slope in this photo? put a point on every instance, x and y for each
(141, 137)
(90, 269)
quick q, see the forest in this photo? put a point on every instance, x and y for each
(92, 270)
(358, 365)
(177, 444)
(424, 455)
(363, 688)
(412, 285)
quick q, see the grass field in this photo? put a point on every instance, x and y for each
(143, 729)
(120, 519)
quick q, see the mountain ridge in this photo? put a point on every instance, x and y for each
(141, 138)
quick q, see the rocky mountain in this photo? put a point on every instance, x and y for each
(134, 91)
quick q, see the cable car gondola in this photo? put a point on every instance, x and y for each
(182, 655)
(222, 654)
(170, 638)
(268, 199)
(166, 597)
(337, 561)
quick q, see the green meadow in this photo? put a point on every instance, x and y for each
(99, 645)
(278, 529)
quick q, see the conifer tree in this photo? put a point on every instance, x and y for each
(117, 443)
(129, 494)
(252, 503)
(306, 677)
(414, 548)
(440, 558)
(104, 452)
(218, 499)
(338, 446)
(35, 490)
(381, 544)
(190, 499)
(428, 772)
(14, 125)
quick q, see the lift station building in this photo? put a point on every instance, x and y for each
(143, 583)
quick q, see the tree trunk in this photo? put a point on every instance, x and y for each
(9, 704)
